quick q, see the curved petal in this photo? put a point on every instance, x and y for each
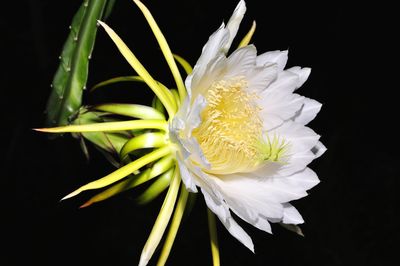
(210, 50)
(318, 149)
(187, 178)
(308, 111)
(291, 215)
(241, 61)
(278, 57)
(234, 23)
(302, 73)
(260, 77)
(278, 107)
(283, 189)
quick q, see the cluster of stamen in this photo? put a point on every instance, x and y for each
(230, 134)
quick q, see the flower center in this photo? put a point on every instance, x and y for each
(230, 134)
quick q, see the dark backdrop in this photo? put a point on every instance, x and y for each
(350, 216)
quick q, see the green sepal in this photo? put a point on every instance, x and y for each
(156, 188)
(109, 142)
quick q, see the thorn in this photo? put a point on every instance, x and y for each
(69, 27)
(60, 57)
(75, 38)
(51, 85)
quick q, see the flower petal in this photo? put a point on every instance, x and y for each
(278, 106)
(210, 50)
(232, 226)
(260, 77)
(278, 57)
(308, 112)
(302, 73)
(248, 198)
(291, 215)
(318, 149)
(234, 23)
(241, 61)
(186, 176)
(283, 189)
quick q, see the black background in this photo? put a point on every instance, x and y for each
(351, 216)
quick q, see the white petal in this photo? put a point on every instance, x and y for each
(278, 104)
(283, 189)
(278, 57)
(248, 197)
(302, 73)
(234, 23)
(300, 137)
(286, 82)
(193, 118)
(291, 215)
(259, 77)
(308, 112)
(181, 131)
(186, 176)
(238, 232)
(296, 162)
(241, 61)
(300, 140)
(215, 205)
(210, 50)
(215, 70)
(318, 149)
(230, 224)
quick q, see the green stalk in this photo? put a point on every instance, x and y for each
(71, 76)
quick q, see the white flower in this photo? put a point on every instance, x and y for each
(241, 133)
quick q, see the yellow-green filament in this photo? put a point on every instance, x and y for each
(164, 48)
(162, 220)
(212, 226)
(247, 38)
(161, 93)
(123, 171)
(110, 126)
(173, 229)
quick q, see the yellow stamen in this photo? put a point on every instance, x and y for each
(231, 128)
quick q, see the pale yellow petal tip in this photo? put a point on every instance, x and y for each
(41, 129)
(72, 194)
(144, 260)
(50, 129)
